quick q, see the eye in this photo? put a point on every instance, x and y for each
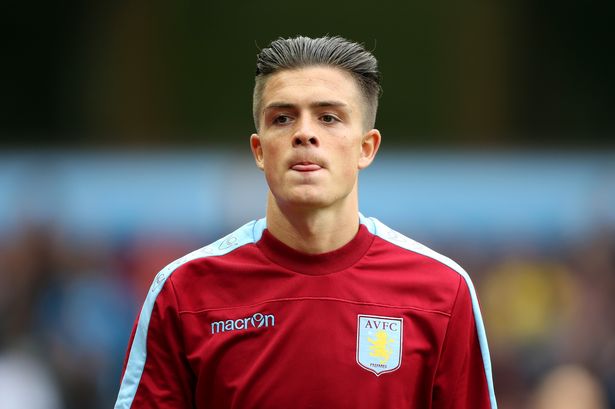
(281, 119)
(329, 119)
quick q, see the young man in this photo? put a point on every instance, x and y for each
(315, 306)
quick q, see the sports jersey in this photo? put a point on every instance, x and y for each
(250, 323)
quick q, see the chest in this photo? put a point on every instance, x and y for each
(313, 351)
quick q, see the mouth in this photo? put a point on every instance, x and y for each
(305, 167)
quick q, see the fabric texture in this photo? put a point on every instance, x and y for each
(248, 322)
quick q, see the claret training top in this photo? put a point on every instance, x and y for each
(249, 323)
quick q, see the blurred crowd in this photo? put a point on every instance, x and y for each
(549, 317)
(67, 306)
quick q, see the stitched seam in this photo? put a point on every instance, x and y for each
(317, 299)
(445, 341)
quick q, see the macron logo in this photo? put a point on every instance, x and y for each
(257, 320)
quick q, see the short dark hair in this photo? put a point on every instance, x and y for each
(338, 52)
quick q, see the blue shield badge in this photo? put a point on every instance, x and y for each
(379, 343)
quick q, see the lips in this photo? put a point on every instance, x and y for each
(305, 167)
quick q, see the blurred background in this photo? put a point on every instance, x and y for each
(124, 145)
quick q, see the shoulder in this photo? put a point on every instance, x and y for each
(222, 248)
(441, 276)
(413, 250)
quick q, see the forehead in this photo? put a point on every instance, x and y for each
(310, 84)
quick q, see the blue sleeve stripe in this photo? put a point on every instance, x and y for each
(138, 351)
(379, 229)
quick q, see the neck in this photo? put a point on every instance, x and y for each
(313, 230)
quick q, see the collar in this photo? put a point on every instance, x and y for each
(316, 264)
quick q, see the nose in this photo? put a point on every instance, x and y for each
(305, 136)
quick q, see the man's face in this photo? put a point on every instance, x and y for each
(311, 143)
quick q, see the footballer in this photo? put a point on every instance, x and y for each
(314, 305)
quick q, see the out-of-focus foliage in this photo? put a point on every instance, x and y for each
(468, 74)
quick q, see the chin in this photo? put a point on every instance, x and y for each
(307, 198)
(308, 202)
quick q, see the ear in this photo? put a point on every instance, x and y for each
(369, 148)
(257, 150)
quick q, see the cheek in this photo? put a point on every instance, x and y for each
(273, 162)
(349, 157)
(271, 154)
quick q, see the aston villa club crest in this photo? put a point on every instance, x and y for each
(379, 343)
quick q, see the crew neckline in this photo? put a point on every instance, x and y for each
(316, 264)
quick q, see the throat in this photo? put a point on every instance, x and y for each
(312, 231)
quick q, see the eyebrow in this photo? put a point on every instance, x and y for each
(331, 103)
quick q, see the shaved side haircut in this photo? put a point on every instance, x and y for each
(336, 52)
